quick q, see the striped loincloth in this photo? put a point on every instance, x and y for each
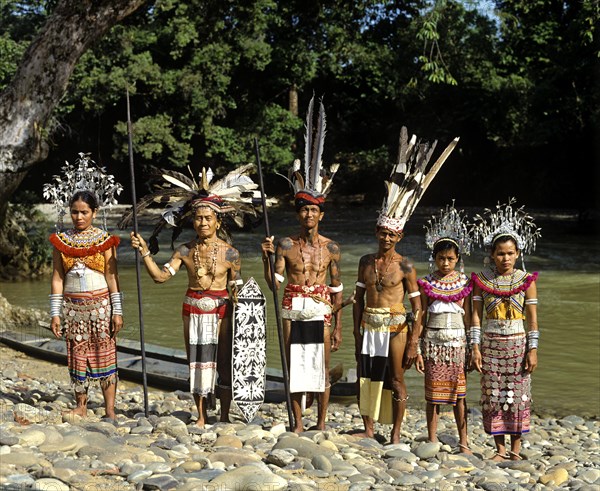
(205, 310)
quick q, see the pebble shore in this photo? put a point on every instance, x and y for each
(41, 450)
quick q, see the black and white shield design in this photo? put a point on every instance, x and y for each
(249, 359)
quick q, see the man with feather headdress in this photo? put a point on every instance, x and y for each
(384, 345)
(214, 273)
(309, 304)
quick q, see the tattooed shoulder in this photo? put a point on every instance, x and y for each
(365, 260)
(333, 248)
(183, 250)
(286, 243)
(232, 255)
(406, 265)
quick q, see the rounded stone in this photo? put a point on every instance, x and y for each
(49, 484)
(322, 463)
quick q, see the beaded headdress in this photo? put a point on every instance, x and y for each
(506, 221)
(409, 180)
(312, 187)
(232, 197)
(83, 175)
(449, 224)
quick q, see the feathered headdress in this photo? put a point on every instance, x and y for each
(230, 197)
(450, 225)
(83, 175)
(506, 221)
(313, 186)
(409, 180)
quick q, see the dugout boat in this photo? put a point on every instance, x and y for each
(166, 368)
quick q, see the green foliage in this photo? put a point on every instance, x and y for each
(11, 54)
(207, 76)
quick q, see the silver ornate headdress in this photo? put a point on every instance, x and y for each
(232, 197)
(507, 221)
(409, 180)
(315, 184)
(83, 175)
(449, 224)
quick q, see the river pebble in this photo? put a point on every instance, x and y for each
(40, 449)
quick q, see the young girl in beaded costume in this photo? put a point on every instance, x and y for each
(503, 352)
(445, 296)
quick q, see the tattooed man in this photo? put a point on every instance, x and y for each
(384, 345)
(212, 265)
(309, 304)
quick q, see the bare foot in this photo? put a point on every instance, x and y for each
(364, 434)
(464, 449)
(298, 429)
(394, 439)
(224, 419)
(200, 423)
(80, 411)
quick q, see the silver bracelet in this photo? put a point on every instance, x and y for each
(474, 335)
(56, 304)
(116, 300)
(532, 339)
(146, 254)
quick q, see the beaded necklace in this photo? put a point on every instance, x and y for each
(304, 262)
(506, 299)
(378, 279)
(207, 267)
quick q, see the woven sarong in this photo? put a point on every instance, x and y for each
(444, 351)
(378, 324)
(205, 310)
(91, 351)
(505, 386)
(308, 316)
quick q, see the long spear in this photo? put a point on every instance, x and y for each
(137, 256)
(284, 365)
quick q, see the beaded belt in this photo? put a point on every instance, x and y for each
(206, 304)
(446, 320)
(444, 335)
(504, 327)
(380, 320)
(315, 310)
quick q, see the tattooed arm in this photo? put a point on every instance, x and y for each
(359, 306)
(336, 298)
(411, 286)
(283, 246)
(234, 273)
(156, 273)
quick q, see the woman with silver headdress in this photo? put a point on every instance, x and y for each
(504, 352)
(85, 300)
(445, 296)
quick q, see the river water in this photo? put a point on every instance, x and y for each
(567, 380)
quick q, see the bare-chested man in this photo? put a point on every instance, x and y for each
(384, 345)
(308, 304)
(212, 265)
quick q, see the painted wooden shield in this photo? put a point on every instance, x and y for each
(249, 358)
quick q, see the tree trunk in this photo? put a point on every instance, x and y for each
(27, 103)
(293, 99)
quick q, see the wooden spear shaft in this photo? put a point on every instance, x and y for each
(137, 257)
(284, 365)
